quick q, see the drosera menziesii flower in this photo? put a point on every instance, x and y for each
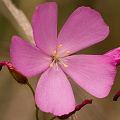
(51, 57)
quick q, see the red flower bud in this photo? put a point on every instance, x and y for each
(15, 73)
(117, 95)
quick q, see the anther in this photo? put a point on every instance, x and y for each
(51, 65)
(68, 52)
(54, 52)
(65, 65)
(60, 46)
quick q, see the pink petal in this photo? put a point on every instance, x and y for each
(94, 73)
(84, 28)
(54, 93)
(115, 54)
(77, 108)
(28, 59)
(44, 25)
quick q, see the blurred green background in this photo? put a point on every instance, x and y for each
(16, 101)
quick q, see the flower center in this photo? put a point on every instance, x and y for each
(56, 59)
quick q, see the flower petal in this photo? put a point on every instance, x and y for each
(54, 93)
(77, 108)
(28, 59)
(44, 25)
(115, 54)
(84, 28)
(94, 73)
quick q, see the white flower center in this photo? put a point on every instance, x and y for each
(56, 59)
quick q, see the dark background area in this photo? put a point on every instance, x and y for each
(16, 101)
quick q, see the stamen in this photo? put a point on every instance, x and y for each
(61, 61)
(68, 52)
(51, 65)
(57, 66)
(60, 46)
(65, 65)
(54, 52)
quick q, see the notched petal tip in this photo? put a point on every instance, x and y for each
(15, 73)
(117, 95)
(77, 108)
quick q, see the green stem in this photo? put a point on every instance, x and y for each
(36, 112)
(36, 107)
(31, 89)
(53, 118)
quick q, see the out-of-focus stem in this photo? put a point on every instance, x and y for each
(53, 118)
(21, 19)
(31, 89)
(36, 107)
(72, 117)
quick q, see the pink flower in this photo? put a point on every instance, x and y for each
(94, 73)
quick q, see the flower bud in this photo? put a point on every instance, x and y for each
(20, 78)
(117, 95)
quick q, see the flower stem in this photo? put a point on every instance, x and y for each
(36, 112)
(36, 107)
(31, 89)
(53, 118)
